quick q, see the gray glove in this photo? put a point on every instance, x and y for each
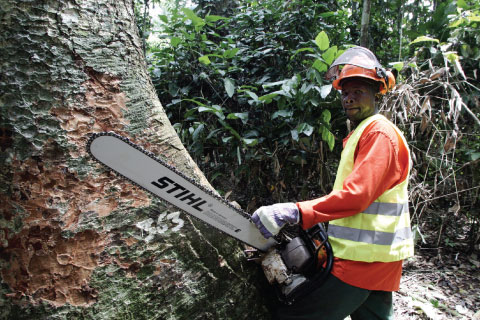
(270, 219)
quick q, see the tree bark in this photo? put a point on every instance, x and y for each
(365, 23)
(77, 241)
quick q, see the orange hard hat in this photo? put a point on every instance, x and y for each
(386, 80)
(359, 62)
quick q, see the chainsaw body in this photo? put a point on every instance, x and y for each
(297, 266)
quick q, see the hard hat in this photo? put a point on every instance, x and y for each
(359, 62)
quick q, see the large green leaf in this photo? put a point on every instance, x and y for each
(330, 54)
(320, 65)
(424, 39)
(322, 41)
(197, 21)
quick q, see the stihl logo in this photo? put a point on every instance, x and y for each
(181, 192)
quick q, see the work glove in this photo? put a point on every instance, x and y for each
(270, 219)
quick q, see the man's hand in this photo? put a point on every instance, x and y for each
(270, 219)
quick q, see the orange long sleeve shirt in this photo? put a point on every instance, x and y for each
(381, 161)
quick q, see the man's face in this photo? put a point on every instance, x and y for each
(358, 100)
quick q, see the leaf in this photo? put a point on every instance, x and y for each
(329, 55)
(424, 124)
(294, 134)
(214, 18)
(462, 4)
(302, 50)
(305, 128)
(197, 21)
(268, 97)
(325, 90)
(190, 100)
(397, 66)
(215, 109)
(328, 137)
(423, 39)
(205, 60)
(175, 41)
(252, 95)
(227, 139)
(326, 116)
(426, 105)
(242, 116)
(283, 114)
(250, 142)
(474, 18)
(320, 65)
(273, 84)
(449, 144)
(229, 86)
(428, 309)
(322, 41)
(239, 156)
(230, 53)
(163, 18)
(198, 131)
(475, 156)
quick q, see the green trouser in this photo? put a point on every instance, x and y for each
(336, 300)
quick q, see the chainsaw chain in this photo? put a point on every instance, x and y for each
(169, 167)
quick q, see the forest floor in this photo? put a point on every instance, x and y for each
(439, 286)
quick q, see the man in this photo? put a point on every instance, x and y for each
(367, 211)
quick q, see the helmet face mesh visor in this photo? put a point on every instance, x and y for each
(357, 56)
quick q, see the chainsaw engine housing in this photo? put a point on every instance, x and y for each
(294, 267)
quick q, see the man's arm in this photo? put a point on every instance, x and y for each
(377, 168)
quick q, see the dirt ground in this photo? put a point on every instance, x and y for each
(439, 286)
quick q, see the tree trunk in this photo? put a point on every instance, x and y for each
(400, 28)
(77, 241)
(365, 23)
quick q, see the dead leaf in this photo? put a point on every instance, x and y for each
(426, 105)
(454, 209)
(474, 262)
(424, 124)
(449, 144)
(437, 74)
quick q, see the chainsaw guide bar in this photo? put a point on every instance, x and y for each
(154, 175)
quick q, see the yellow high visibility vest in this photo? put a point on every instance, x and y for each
(382, 231)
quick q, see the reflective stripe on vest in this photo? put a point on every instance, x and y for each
(387, 209)
(382, 231)
(370, 236)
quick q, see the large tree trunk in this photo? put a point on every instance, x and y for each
(77, 241)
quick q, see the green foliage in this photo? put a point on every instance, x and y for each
(243, 84)
(439, 105)
(247, 90)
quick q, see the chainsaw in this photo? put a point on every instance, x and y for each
(294, 262)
